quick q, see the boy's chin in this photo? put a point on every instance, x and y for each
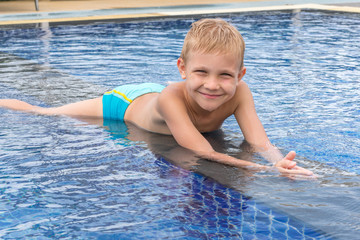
(209, 108)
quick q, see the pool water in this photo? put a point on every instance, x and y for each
(81, 179)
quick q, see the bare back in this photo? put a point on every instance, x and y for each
(143, 113)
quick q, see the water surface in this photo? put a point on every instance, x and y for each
(70, 178)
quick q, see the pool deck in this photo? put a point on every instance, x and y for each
(24, 12)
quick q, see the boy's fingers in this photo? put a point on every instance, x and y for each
(298, 170)
(292, 165)
(290, 156)
(285, 163)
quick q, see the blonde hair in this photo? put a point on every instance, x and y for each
(214, 36)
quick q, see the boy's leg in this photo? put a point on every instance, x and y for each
(15, 104)
(86, 108)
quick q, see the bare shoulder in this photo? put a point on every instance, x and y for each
(243, 93)
(174, 88)
(171, 101)
(243, 87)
(173, 93)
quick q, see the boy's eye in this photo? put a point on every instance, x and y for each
(201, 71)
(226, 75)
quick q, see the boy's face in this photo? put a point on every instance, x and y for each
(211, 79)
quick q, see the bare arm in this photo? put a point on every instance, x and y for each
(255, 134)
(251, 126)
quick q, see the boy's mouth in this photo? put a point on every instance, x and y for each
(210, 95)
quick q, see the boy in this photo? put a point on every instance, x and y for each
(211, 64)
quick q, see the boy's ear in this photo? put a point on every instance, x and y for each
(181, 67)
(242, 72)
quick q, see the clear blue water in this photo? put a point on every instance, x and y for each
(79, 179)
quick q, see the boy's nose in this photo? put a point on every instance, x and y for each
(211, 83)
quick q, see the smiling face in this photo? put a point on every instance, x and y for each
(211, 79)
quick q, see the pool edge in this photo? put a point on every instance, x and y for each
(193, 12)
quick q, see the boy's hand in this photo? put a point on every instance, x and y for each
(287, 166)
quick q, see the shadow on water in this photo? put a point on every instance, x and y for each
(329, 203)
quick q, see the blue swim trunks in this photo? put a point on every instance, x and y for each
(118, 100)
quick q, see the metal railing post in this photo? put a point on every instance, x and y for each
(37, 5)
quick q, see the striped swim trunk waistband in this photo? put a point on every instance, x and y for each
(116, 102)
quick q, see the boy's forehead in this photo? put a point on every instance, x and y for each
(202, 55)
(197, 59)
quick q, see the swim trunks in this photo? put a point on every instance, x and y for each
(118, 100)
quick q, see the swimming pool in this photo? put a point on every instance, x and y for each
(72, 179)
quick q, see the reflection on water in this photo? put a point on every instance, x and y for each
(80, 181)
(69, 178)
